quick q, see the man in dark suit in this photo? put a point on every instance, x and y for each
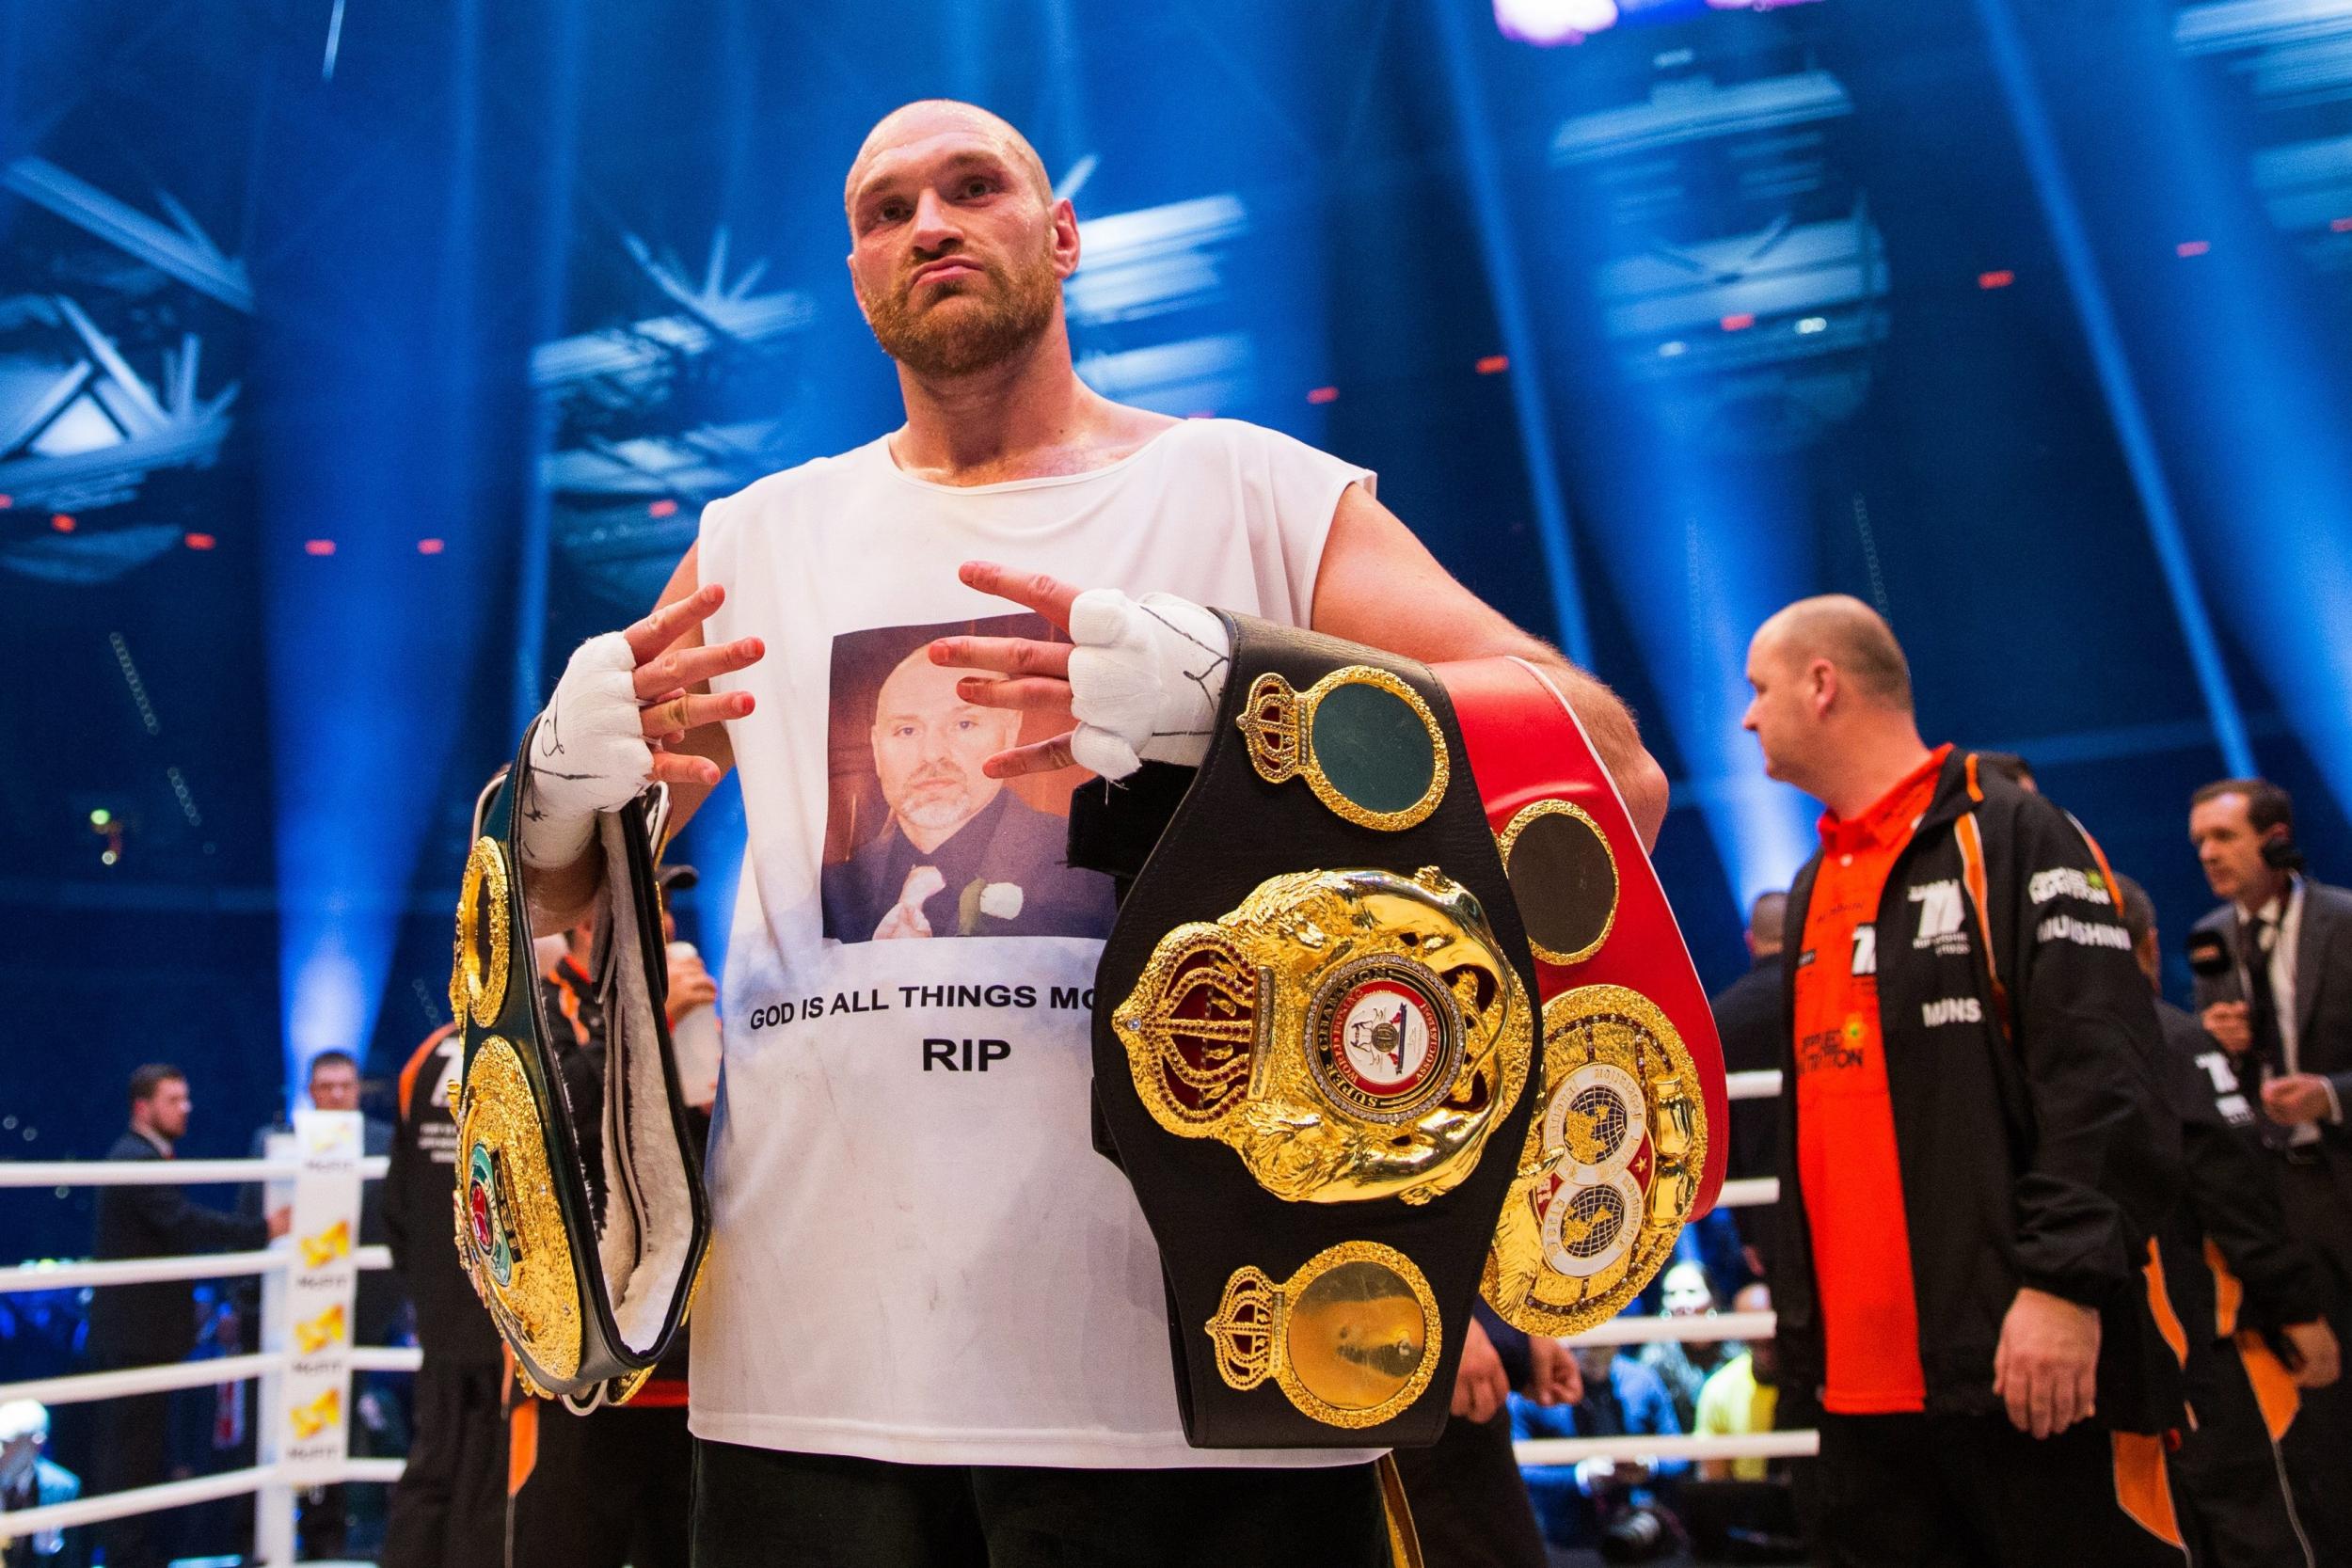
(2282, 1006)
(1748, 1019)
(962, 855)
(139, 1325)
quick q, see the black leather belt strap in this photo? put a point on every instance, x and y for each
(1192, 848)
(588, 1310)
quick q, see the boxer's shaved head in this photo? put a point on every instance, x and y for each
(1850, 634)
(926, 118)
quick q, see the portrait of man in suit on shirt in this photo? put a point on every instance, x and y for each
(919, 841)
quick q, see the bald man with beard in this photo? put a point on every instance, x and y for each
(933, 1330)
(1975, 1150)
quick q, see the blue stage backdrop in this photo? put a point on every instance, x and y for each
(357, 359)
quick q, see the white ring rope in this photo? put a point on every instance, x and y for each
(1712, 1327)
(161, 1173)
(140, 1499)
(1757, 1445)
(123, 1381)
(146, 1271)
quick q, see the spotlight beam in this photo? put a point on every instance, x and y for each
(1498, 248)
(2134, 431)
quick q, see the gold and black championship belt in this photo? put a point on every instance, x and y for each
(588, 1309)
(1326, 1046)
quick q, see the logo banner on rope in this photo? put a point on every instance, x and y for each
(320, 1288)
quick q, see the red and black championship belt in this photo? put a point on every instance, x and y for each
(1618, 1155)
(1325, 1031)
(588, 1302)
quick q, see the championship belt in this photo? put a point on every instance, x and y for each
(1320, 1049)
(1617, 1156)
(587, 1309)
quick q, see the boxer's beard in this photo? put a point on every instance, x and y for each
(1002, 312)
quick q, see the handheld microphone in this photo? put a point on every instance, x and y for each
(2209, 956)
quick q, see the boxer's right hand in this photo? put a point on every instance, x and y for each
(626, 698)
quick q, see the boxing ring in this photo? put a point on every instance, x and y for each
(273, 1491)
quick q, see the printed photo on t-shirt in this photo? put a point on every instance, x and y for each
(918, 841)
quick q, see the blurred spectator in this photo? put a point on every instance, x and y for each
(1683, 1368)
(1740, 1396)
(2280, 1000)
(334, 1085)
(1579, 1505)
(2248, 1293)
(2010, 767)
(449, 1508)
(29, 1481)
(1748, 1018)
(137, 1326)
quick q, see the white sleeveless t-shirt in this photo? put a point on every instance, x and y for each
(919, 1257)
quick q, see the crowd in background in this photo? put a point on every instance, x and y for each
(2251, 1247)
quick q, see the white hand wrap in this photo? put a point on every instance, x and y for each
(588, 755)
(1145, 680)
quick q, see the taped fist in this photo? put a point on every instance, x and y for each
(626, 699)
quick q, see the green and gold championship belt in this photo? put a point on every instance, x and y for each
(587, 1308)
(1323, 1053)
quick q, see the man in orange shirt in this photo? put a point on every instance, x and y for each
(1973, 1155)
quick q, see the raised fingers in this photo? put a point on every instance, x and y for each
(684, 767)
(1007, 656)
(670, 621)
(1027, 695)
(1039, 757)
(686, 710)
(678, 668)
(1049, 596)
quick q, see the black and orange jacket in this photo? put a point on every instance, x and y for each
(420, 1210)
(2024, 1076)
(2230, 1259)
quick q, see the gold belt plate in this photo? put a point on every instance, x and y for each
(1350, 1035)
(510, 1230)
(1610, 1171)
(1352, 1339)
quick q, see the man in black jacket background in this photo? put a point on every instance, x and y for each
(449, 1509)
(1975, 1150)
(140, 1325)
(1748, 1020)
(2282, 1006)
(2249, 1295)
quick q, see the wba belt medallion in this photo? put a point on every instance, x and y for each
(1349, 1035)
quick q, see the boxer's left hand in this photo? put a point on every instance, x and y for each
(1140, 680)
(1036, 673)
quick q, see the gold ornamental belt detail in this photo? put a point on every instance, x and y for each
(1352, 1339)
(1610, 1171)
(1350, 1035)
(509, 1228)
